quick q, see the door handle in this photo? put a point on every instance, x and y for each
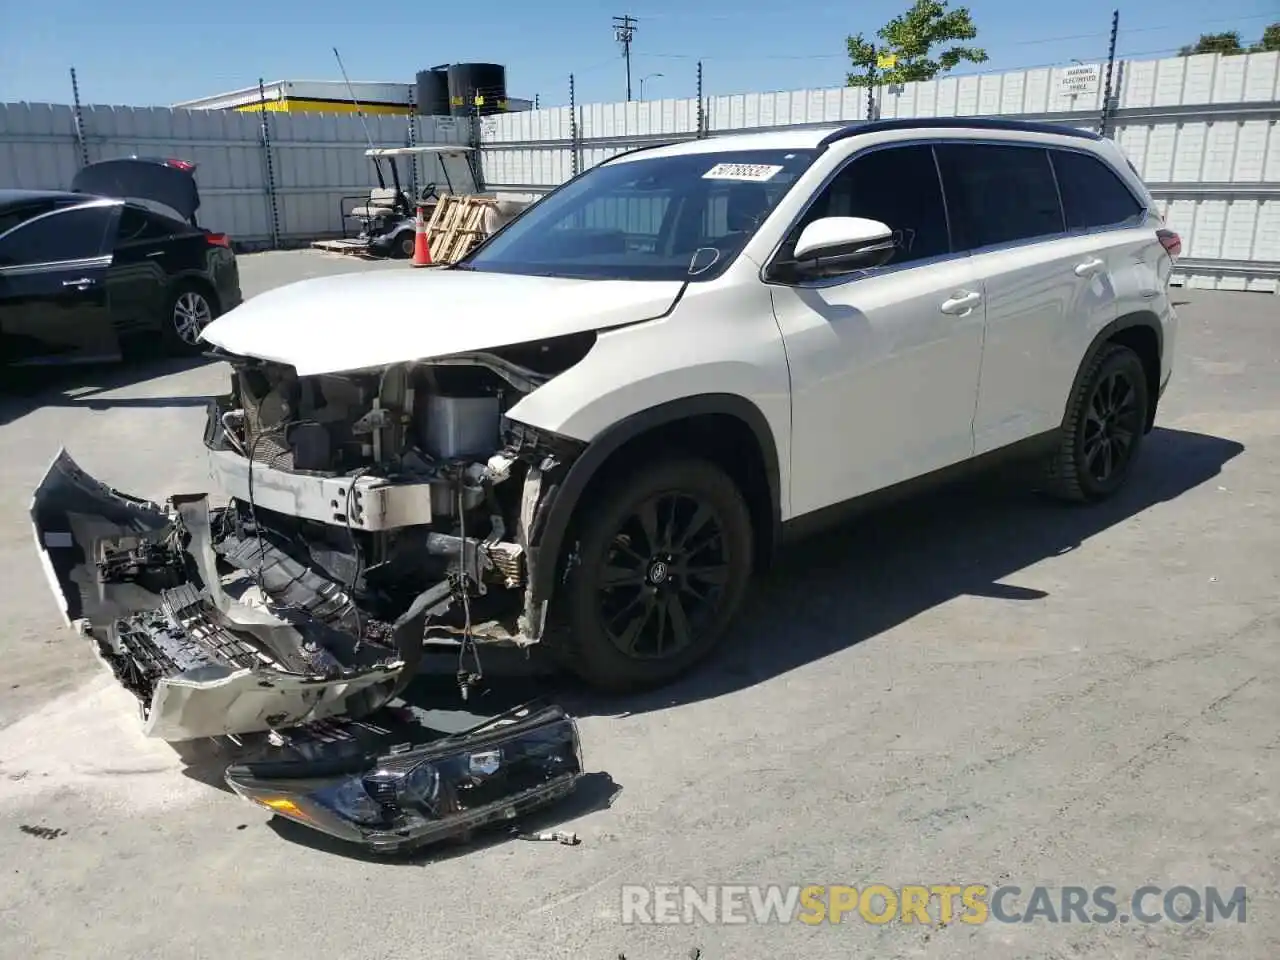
(84, 283)
(961, 303)
(1089, 267)
(157, 253)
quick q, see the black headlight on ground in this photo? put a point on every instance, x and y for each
(407, 798)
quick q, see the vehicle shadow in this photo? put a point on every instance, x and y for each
(825, 595)
(836, 590)
(29, 389)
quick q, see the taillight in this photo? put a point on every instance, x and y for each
(1171, 242)
(218, 240)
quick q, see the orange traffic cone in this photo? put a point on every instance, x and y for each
(421, 242)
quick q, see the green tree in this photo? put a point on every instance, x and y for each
(1227, 43)
(910, 37)
(1270, 40)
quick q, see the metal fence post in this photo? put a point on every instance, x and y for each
(702, 115)
(78, 116)
(573, 129)
(413, 140)
(477, 167)
(871, 90)
(265, 139)
(1105, 119)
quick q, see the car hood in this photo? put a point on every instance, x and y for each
(374, 319)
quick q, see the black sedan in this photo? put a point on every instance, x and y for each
(118, 257)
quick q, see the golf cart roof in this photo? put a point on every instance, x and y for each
(449, 149)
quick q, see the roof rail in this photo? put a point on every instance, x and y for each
(639, 149)
(964, 123)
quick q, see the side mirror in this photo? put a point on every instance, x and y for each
(835, 245)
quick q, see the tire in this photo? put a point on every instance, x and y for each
(404, 244)
(614, 641)
(190, 309)
(1104, 428)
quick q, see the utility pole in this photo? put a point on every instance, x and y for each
(624, 31)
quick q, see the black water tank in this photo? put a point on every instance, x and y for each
(470, 80)
(432, 93)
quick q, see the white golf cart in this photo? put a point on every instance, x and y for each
(387, 214)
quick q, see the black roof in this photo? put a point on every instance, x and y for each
(963, 123)
(11, 198)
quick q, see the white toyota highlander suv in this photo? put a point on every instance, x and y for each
(591, 431)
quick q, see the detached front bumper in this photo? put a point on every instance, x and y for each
(389, 784)
(199, 649)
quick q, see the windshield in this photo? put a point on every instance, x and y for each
(684, 217)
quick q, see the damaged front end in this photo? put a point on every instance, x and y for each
(371, 515)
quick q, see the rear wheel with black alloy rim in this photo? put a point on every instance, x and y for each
(190, 310)
(663, 564)
(1104, 428)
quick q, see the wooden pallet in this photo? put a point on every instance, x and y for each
(350, 247)
(456, 225)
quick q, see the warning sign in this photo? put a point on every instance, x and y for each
(1080, 80)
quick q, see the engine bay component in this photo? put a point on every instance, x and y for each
(367, 501)
(456, 427)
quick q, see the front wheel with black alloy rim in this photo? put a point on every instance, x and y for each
(1103, 431)
(663, 562)
(191, 309)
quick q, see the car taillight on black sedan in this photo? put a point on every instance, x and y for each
(218, 240)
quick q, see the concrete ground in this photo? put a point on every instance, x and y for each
(978, 687)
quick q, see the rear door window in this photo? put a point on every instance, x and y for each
(74, 234)
(13, 216)
(1092, 195)
(999, 194)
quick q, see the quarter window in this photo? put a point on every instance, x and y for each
(1092, 195)
(897, 186)
(999, 194)
(138, 225)
(73, 234)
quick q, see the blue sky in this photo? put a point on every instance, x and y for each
(148, 52)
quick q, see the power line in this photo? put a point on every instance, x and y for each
(1101, 34)
(1125, 55)
(789, 14)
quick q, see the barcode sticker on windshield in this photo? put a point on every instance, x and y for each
(756, 172)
